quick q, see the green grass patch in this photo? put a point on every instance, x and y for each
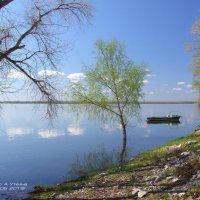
(45, 192)
(162, 152)
(146, 158)
(112, 170)
(193, 147)
(181, 140)
(195, 192)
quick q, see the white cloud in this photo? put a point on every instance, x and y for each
(52, 73)
(50, 133)
(151, 75)
(145, 81)
(189, 86)
(180, 83)
(151, 93)
(177, 89)
(76, 77)
(12, 132)
(13, 74)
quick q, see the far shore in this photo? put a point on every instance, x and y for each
(77, 102)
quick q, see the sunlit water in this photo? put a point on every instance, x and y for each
(33, 152)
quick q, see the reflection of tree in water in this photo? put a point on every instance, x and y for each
(93, 161)
(105, 117)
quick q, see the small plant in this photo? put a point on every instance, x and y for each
(188, 169)
(133, 178)
(176, 152)
(166, 174)
(163, 196)
(94, 161)
(194, 147)
(39, 188)
(195, 192)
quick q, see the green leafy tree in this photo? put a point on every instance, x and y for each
(113, 85)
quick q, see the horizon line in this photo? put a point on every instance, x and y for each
(78, 102)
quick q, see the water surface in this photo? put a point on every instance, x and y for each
(32, 151)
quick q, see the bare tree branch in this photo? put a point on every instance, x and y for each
(33, 41)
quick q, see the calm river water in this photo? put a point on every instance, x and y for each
(32, 151)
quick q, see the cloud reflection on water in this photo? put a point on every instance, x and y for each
(13, 132)
(74, 129)
(51, 133)
(147, 133)
(110, 127)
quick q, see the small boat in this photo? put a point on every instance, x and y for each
(164, 119)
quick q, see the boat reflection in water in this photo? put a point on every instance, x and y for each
(167, 123)
(169, 120)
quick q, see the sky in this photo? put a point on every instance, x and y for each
(155, 32)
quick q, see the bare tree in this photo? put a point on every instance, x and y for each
(31, 40)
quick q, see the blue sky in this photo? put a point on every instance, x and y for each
(155, 32)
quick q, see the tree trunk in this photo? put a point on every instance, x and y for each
(123, 151)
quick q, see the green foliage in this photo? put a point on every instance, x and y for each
(113, 84)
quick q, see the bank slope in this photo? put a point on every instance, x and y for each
(171, 171)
